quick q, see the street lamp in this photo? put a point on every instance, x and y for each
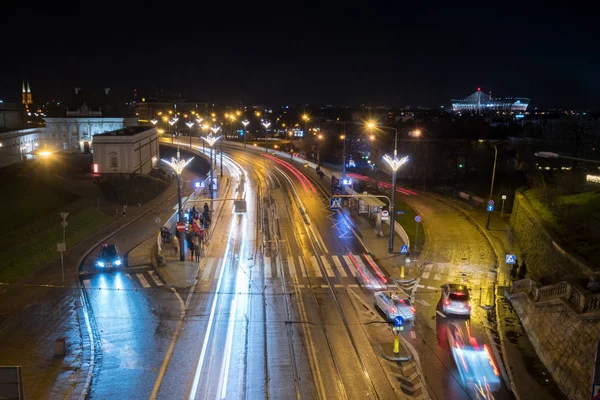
(245, 123)
(319, 138)
(190, 125)
(211, 140)
(547, 154)
(266, 124)
(154, 121)
(178, 165)
(394, 163)
(171, 123)
(487, 222)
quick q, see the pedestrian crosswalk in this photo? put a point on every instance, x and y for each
(302, 270)
(124, 280)
(473, 276)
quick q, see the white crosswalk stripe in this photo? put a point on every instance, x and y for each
(268, 272)
(426, 271)
(350, 265)
(302, 265)
(87, 283)
(328, 269)
(142, 280)
(437, 276)
(155, 278)
(315, 267)
(208, 268)
(339, 267)
(291, 267)
(423, 302)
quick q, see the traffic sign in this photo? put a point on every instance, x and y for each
(64, 215)
(491, 202)
(61, 247)
(398, 320)
(399, 212)
(418, 218)
(157, 220)
(511, 259)
(404, 249)
(180, 227)
(64, 224)
(503, 197)
(335, 203)
(385, 215)
(490, 208)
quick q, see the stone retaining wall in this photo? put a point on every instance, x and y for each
(546, 258)
(565, 343)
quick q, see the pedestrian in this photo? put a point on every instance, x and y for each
(124, 208)
(175, 242)
(513, 271)
(197, 247)
(192, 249)
(522, 270)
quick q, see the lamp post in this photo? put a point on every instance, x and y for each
(266, 124)
(171, 123)
(487, 222)
(178, 165)
(245, 123)
(319, 138)
(394, 163)
(205, 127)
(547, 154)
(211, 140)
(154, 121)
(190, 125)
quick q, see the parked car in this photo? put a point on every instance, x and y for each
(109, 257)
(455, 299)
(393, 304)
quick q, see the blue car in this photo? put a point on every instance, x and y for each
(109, 257)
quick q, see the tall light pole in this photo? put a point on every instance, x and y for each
(171, 123)
(178, 166)
(190, 125)
(394, 163)
(487, 222)
(245, 123)
(343, 137)
(211, 140)
(548, 154)
(319, 138)
(266, 124)
(205, 127)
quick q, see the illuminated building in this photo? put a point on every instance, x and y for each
(480, 102)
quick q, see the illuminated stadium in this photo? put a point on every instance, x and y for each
(481, 102)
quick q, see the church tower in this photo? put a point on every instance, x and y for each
(29, 98)
(26, 98)
(23, 94)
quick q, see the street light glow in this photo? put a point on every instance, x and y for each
(45, 154)
(394, 162)
(199, 120)
(215, 129)
(154, 122)
(245, 123)
(211, 139)
(189, 124)
(266, 124)
(178, 165)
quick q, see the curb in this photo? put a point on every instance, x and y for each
(512, 385)
(85, 299)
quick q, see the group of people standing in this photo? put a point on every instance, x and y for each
(196, 233)
(518, 271)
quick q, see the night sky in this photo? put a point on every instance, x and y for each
(344, 54)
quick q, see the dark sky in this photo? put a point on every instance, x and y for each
(334, 53)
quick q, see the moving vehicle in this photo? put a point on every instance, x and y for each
(393, 304)
(474, 361)
(109, 257)
(456, 299)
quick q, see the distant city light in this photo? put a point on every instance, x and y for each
(593, 178)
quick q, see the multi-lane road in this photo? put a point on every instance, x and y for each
(275, 311)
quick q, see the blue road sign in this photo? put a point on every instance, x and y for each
(491, 202)
(335, 203)
(490, 208)
(404, 249)
(511, 259)
(398, 320)
(399, 212)
(418, 218)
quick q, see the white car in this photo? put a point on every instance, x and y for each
(456, 299)
(393, 304)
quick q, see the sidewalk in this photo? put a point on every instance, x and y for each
(529, 378)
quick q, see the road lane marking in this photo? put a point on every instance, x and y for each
(328, 268)
(155, 278)
(291, 267)
(315, 267)
(143, 280)
(206, 274)
(302, 266)
(437, 277)
(420, 286)
(413, 335)
(338, 265)
(353, 286)
(441, 314)
(431, 288)
(87, 283)
(268, 272)
(350, 265)
(423, 302)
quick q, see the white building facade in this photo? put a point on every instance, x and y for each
(125, 151)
